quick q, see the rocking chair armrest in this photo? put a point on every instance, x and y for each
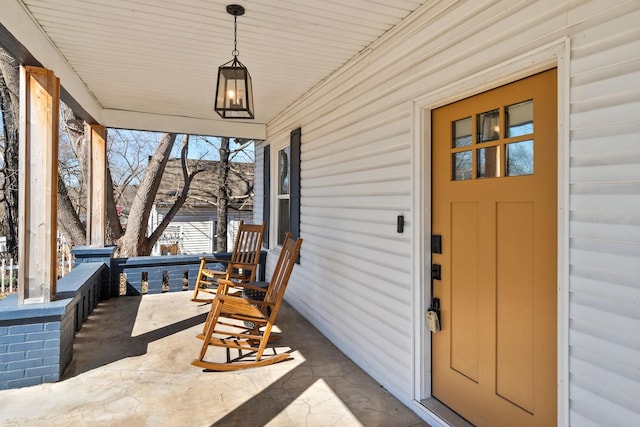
(225, 284)
(232, 298)
(247, 265)
(252, 286)
(217, 260)
(260, 303)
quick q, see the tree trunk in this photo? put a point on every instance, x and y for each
(223, 197)
(134, 241)
(114, 229)
(68, 218)
(187, 179)
(68, 214)
(10, 104)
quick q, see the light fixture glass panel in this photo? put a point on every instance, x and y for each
(461, 133)
(489, 126)
(233, 93)
(488, 160)
(461, 165)
(520, 158)
(519, 119)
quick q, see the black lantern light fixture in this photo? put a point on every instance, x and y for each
(234, 93)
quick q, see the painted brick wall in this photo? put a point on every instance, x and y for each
(158, 269)
(171, 267)
(84, 254)
(31, 354)
(36, 340)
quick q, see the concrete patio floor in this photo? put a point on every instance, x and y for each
(131, 366)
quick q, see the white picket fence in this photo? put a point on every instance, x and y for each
(64, 257)
(8, 277)
(9, 269)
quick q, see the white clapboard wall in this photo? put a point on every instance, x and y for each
(354, 282)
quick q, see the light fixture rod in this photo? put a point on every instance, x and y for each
(235, 10)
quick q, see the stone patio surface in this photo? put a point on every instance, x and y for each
(131, 367)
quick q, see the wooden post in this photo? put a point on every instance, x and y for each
(97, 185)
(38, 192)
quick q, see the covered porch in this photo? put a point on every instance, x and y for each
(347, 92)
(131, 367)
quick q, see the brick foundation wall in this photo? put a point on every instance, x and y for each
(30, 354)
(85, 254)
(36, 340)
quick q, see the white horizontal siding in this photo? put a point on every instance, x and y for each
(354, 282)
(197, 237)
(198, 230)
(604, 253)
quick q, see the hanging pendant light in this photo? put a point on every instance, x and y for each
(234, 93)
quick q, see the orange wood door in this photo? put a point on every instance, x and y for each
(495, 206)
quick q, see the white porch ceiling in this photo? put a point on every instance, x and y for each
(153, 63)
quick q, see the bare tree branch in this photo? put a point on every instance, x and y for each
(187, 180)
(10, 106)
(134, 242)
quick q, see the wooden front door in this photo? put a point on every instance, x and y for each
(495, 208)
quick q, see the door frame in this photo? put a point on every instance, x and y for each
(555, 54)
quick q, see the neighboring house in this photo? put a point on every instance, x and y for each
(192, 230)
(539, 272)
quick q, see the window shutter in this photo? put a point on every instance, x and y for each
(294, 194)
(266, 193)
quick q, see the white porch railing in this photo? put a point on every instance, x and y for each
(8, 277)
(64, 259)
(9, 268)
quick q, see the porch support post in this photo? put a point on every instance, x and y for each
(38, 182)
(97, 185)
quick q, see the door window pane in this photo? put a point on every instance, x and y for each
(461, 165)
(488, 162)
(461, 133)
(519, 119)
(520, 158)
(489, 126)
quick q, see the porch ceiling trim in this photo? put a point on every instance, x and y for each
(145, 121)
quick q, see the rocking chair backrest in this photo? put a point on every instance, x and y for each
(282, 271)
(248, 245)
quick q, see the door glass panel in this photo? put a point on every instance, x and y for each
(461, 133)
(519, 119)
(488, 162)
(520, 158)
(489, 126)
(461, 165)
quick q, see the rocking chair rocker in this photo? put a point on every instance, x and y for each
(245, 324)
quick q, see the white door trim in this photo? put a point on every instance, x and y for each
(554, 54)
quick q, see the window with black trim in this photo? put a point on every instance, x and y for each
(287, 188)
(284, 179)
